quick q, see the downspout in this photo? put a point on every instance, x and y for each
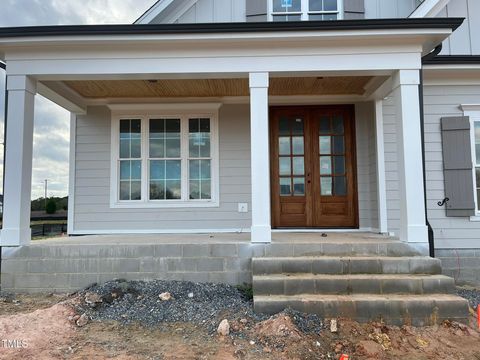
(4, 67)
(431, 234)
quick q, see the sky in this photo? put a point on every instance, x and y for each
(52, 130)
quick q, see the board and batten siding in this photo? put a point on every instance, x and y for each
(92, 212)
(465, 40)
(213, 11)
(92, 183)
(378, 9)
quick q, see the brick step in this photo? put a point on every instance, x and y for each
(347, 265)
(416, 310)
(294, 284)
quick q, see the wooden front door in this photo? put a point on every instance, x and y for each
(313, 167)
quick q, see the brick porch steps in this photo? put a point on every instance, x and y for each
(400, 288)
(416, 310)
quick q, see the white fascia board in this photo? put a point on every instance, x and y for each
(153, 12)
(429, 8)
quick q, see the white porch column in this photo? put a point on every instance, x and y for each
(409, 156)
(259, 134)
(18, 161)
(381, 182)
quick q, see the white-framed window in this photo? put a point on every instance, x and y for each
(296, 10)
(473, 112)
(167, 159)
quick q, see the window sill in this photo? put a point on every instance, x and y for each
(169, 205)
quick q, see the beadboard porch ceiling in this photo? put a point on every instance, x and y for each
(177, 88)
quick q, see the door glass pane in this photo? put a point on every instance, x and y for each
(338, 125)
(283, 127)
(298, 145)
(298, 186)
(340, 186)
(338, 145)
(326, 186)
(325, 165)
(285, 167)
(339, 167)
(325, 145)
(284, 145)
(285, 187)
(324, 125)
(297, 127)
(298, 166)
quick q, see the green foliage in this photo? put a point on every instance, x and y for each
(51, 207)
(39, 204)
(246, 290)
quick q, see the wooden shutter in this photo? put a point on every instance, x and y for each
(257, 10)
(354, 9)
(458, 166)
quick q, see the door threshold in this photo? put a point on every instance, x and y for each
(303, 230)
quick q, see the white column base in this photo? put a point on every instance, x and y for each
(16, 237)
(417, 234)
(261, 234)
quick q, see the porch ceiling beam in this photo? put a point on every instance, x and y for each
(116, 69)
(63, 97)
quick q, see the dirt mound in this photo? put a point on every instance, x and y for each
(278, 326)
(41, 334)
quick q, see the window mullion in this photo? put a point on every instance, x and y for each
(304, 10)
(184, 144)
(144, 156)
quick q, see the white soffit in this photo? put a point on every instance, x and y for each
(429, 8)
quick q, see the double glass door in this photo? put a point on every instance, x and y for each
(313, 167)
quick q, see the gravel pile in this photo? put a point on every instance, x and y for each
(199, 304)
(472, 295)
(139, 302)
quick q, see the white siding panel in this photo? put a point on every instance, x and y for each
(92, 192)
(208, 11)
(375, 9)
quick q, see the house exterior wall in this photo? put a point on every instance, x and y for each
(375, 9)
(92, 181)
(207, 11)
(93, 214)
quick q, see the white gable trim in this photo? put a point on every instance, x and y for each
(160, 6)
(429, 8)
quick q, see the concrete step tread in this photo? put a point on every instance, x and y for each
(306, 276)
(342, 257)
(359, 297)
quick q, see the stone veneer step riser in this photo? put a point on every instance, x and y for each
(344, 285)
(347, 265)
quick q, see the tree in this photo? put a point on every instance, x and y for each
(51, 207)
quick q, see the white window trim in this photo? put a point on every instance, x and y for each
(473, 112)
(151, 111)
(305, 11)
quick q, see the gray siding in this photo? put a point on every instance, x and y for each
(465, 40)
(366, 166)
(92, 183)
(441, 101)
(208, 11)
(92, 212)
(375, 9)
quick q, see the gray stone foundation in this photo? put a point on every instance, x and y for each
(463, 265)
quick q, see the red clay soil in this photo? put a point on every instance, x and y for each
(50, 332)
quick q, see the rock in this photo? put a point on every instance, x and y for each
(93, 299)
(190, 295)
(83, 320)
(333, 326)
(224, 328)
(166, 296)
(243, 321)
(252, 342)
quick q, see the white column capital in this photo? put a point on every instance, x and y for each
(405, 77)
(21, 83)
(259, 80)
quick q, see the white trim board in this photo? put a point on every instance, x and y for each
(429, 8)
(72, 174)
